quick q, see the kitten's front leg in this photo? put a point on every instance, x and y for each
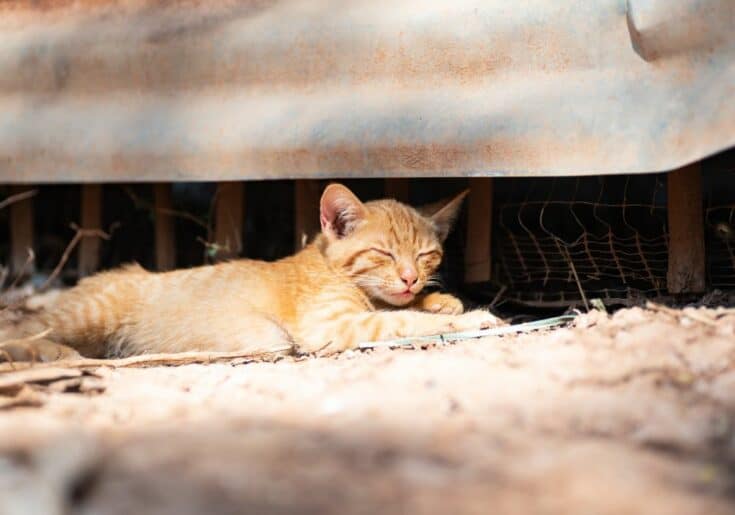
(436, 302)
(348, 330)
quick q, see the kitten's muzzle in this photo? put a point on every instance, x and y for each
(407, 293)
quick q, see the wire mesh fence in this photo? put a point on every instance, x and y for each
(719, 217)
(560, 240)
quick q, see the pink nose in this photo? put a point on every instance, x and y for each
(408, 275)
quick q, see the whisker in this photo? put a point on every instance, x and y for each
(370, 279)
(374, 283)
(434, 280)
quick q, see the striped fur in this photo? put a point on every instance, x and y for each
(343, 288)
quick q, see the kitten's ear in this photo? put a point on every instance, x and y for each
(445, 214)
(339, 211)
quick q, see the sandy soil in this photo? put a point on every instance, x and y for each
(633, 413)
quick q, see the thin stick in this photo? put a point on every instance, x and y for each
(21, 228)
(80, 233)
(30, 259)
(40, 335)
(12, 199)
(576, 278)
(166, 211)
(498, 296)
(152, 360)
(182, 214)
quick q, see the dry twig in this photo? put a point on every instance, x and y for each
(210, 249)
(80, 233)
(151, 360)
(13, 199)
(576, 279)
(166, 211)
(30, 259)
(18, 197)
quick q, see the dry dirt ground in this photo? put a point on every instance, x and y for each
(633, 413)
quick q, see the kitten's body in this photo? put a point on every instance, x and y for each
(324, 298)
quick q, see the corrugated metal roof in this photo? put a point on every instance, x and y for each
(161, 90)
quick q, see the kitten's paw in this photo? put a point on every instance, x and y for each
(474, 320)
(322, 348)
(441, 303)
(36, 350)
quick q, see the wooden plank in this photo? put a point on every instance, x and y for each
(165, 228)
(398, 189)
(89, 247)
(478, 251)
(228, 224)
(686, 273)
(306, 211)
(21, 233)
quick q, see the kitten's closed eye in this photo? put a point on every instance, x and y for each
(383, 252)
(427, 253)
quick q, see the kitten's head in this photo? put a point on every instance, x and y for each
(389, 249)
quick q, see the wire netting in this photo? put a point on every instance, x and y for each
(719, 216)
(559, 239)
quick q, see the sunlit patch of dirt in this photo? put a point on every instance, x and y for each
(617, 414)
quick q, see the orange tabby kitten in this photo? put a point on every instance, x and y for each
(344, 288)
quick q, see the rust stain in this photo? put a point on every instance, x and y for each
(346, 161)
(37, 6)
(189, 67)
(181, 53)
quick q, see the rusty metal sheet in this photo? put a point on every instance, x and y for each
(143, 90)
